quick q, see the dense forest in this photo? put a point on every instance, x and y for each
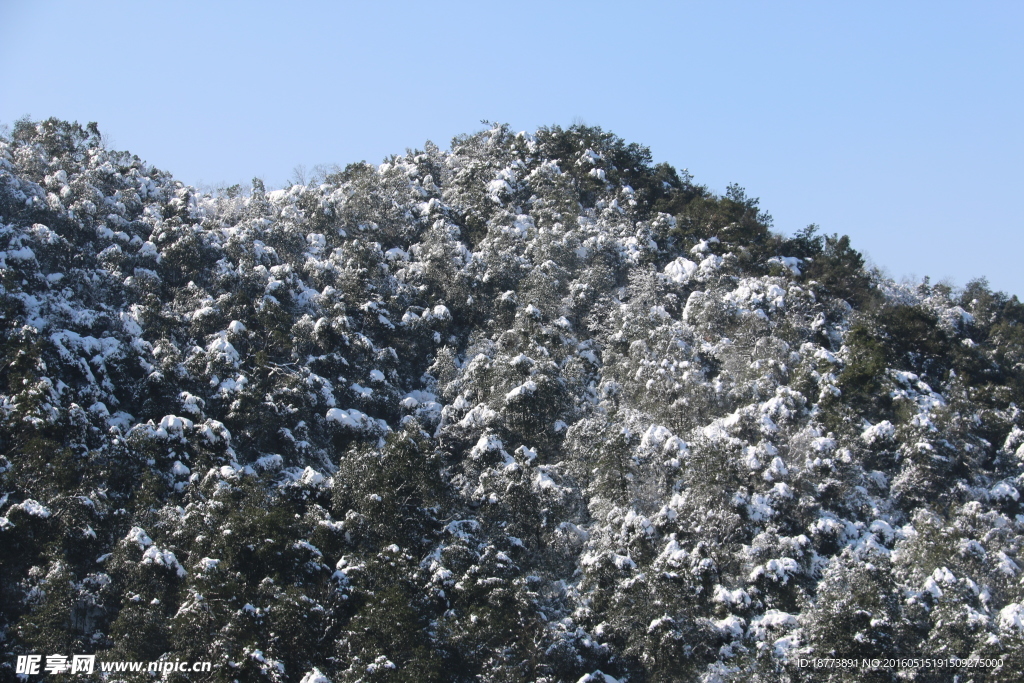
(533, 408)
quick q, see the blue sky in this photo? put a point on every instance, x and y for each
(898, 123)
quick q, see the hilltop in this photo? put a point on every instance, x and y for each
(532, 408)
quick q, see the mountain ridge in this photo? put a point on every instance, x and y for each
(533, 408)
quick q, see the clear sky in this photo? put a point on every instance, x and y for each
(898, 123)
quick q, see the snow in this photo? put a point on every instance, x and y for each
(710, 265)
(774, 618)
(940, 577)
(776, 469)
(823, 444)
(777, 570)
(364, 392)
(782, 646)
(791, 263)
(623, 561)
(527, 388)
(220, 347)
(881, 431)
(1004, 491)
(732, 598)
(191, 403)
(1011, 617)
(883, 529)
(731, 627)
(1006, 565)
(311, 477)
(487, 443)
(440, 312)
(314, 676)
(463, 528)
(478, 416)
(702, 246)
(396, 254)
(111, 352)
(598, 677)
(543, 481)
(33, 508)
(759, 509)
(162, 558)
(22, 254)
(172, 424)
(498, 186)
(306, 545)
(349, 418)
(379, 663)
(139, 536)
(423, 402)
(655, 437)
(272, 461)
(207, 564)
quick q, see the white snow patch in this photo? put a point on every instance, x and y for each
(882, 430)
(33, 508)
(439, 312)
(731, 626)
(1012, 617)
(790, 262)
(220, 347)
(314, 676)
(655, 437)
(162, 558)
(598, 676)
(138, 535)
(365, 392)
(311, 477)
(1004, 491)
(479, 416)
(207, 564)
(733, 598)
(349, 418)
(702, 246)
(172, 424)
(527, 388)
(680, 270)
(271, 461)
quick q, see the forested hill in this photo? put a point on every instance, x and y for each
(531, 409)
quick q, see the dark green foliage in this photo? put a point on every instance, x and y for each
(391, 632)
(839, 269)
(913, 339)
(857, 614)
(387, 493)
(862, 378)
(899, 337)
(500, 413)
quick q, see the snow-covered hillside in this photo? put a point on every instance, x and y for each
(530, 409)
